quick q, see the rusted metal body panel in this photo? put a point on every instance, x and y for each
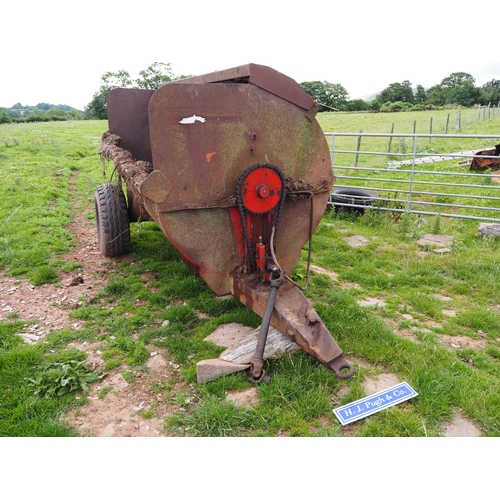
(483, 159)
(241, 179)
(128, 118)
(200, 159)
(260, 76)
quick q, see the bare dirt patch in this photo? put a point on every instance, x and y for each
(462, 342)
(321, 270)
(459, 426)
(47, 307)
(115, 407)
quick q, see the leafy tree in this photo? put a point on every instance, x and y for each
(357, 105)
(490, 92)
(74, 114)
(111, 80)
(397, 106)
(37, 116)
(150, 78)
(436, 95)
(457, 88)
(460, 89)
(327, 95)
(401, 92)
(14, 113)
(420, 95)
(96, 109)
(154, 75)
(43, 105)
(4, 116)
(56, 114)
(457, 79)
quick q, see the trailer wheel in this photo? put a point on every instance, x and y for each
(113, 227)
(343, 197)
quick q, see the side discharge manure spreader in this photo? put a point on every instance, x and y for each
(236, 171)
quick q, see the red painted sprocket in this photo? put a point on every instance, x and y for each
(261, 188)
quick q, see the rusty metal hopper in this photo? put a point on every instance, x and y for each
(240, 179)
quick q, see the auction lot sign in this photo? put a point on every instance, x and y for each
(376, 402)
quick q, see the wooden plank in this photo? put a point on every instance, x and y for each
(277, 345)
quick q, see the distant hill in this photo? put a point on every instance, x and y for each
(369, 97)
(42, 112)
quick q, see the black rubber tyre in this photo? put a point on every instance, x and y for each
(343, 197)
(113, 226)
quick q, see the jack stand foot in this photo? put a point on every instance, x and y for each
(264, 378)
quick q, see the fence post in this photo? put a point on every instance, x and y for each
(390, 138)
(358, 147)
(412, 175)
(479, 113)
(333, 151)
(447, 123)
(489, 104)
(430, 130)
(457, 126)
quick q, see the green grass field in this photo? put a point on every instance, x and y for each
(428, 299)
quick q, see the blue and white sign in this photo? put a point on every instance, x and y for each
(374, 403)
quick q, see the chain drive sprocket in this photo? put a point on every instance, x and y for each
(243, 207)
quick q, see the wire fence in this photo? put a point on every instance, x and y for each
(451, 175)
(446, 123)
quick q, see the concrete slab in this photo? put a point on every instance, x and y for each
(249, 397)
(210, 369)
(371, 302)
(435, 240)
(460, 427)
(379, 383)
(357, 241)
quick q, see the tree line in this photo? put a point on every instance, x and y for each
(457, 89)
(42, 112)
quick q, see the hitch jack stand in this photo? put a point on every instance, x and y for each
(257, 373)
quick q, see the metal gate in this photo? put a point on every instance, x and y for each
(427, 174)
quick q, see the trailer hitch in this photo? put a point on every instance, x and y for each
(291, 314)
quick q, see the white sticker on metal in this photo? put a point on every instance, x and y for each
(192, 119)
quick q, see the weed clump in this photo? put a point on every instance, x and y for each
(58, 379)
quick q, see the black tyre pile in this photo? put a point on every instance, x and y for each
(351, 199)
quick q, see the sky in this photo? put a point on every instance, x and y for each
(56, 51)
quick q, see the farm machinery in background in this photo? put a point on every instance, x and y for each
(236, 171)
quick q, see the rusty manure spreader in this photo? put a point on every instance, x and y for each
(235, 170)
